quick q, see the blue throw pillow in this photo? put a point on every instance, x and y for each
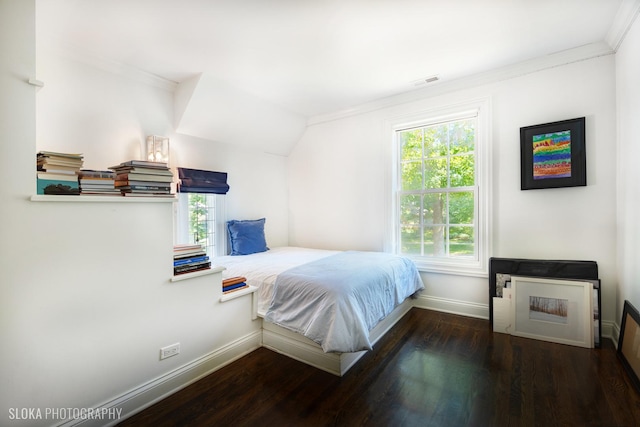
(247, 236)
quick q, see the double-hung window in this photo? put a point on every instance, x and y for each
(200, 211)
(200, 220)
(441, 192)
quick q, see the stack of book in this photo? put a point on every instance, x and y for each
(57, 173)
(189, 258)
(233, 284)
(97, 183)
(143, 178)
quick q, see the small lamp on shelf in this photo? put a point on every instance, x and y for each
(158, 149)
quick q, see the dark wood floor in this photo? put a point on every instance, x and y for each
(431, 369)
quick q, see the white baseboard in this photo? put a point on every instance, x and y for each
(463, 308)
(157, 389)
(611, 330)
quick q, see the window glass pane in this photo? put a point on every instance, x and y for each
(435, 208)
(410, 210)
(410, 240)
(462, 241)
(435, 141)
(412, 175)
(435, 173)
(462, 171)
(434, 241)
(202, 220)
(461, 208)
(428, 242)
(411, 144)
(462, 136)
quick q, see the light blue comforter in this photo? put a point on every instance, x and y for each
(335, 301)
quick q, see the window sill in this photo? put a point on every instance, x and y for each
(186, 276)
(455, 269)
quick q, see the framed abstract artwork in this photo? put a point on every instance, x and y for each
(553, 155)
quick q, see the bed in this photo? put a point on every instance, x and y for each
(326, 308)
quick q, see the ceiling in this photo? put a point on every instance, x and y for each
(316, 57)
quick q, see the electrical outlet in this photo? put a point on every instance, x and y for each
(170, 350)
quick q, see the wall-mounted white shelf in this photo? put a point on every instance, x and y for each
(107, 199)
(185, 276)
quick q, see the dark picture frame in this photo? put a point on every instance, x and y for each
(552, 155)
(629, 343)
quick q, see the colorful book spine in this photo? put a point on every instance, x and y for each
(191, 267)
(57, 187)
(232, 287)
(142, 187)
(233, 280)
(190, 260)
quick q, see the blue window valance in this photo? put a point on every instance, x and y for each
(201, 181)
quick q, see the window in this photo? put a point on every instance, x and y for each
(440, 194)
(200, 219)
(200, 216)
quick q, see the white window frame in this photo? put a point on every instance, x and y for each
(181, 227)
(473, 266)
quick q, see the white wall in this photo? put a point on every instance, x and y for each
(339, 179)
(628, 112)
(258, 181)
(86, 297)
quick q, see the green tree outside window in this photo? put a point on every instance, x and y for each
(202, 221)
(437, 195)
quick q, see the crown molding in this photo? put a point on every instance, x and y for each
(627, 14)
(557, 59)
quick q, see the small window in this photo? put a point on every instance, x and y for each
(200, 220)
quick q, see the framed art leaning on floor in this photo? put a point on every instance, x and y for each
(629, 342)
(553, 310)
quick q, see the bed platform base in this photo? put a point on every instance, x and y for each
(303, 349)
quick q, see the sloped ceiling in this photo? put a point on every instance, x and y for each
(209, 108)
(273, 64)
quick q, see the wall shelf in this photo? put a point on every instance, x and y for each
(107, 199)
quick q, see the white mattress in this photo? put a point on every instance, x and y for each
(333, 298)
(261, 269)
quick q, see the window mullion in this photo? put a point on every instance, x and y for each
(447, 227)
(421, 225)
(424, 184)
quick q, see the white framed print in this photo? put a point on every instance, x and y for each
(554, 310)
